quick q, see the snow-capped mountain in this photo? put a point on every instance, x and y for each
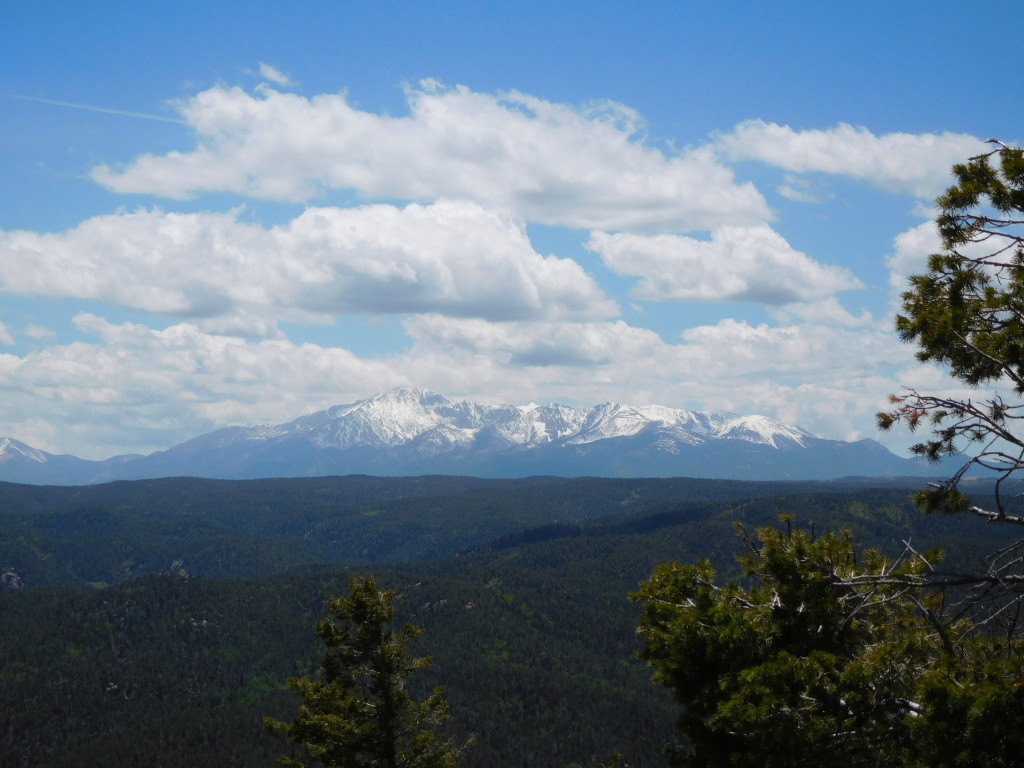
(408, 431)
(13, 449)
(430, 424)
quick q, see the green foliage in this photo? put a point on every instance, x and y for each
(970, 710)
(531, 636)
(786, 670)
(828, 656)
(361, 713)
(967, 313)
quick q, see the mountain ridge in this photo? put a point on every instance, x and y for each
(408, 431)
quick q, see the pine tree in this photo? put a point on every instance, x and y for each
(829, 655)
(361, 713)
(967, 313)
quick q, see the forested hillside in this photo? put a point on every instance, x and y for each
(253, 528)
(522, 589)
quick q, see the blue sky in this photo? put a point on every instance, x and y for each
(237, 213)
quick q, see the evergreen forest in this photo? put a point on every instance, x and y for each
(156, 623)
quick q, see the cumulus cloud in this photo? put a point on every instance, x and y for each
(708, 359)
(137, 389)
(918, 164)
(552, 345)
(828, 378)
(736, 264)
(586, 167)
(485, 315)
(166, 385)
(824, 312)
(451, 257)
(796, 352)
(910, 253)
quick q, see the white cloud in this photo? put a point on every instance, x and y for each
(586, 167)
(451, 257)
(140, 389)
(709, 359)
(827, 378)
(34, 331)
(801, 190)
(918, 164)
(547, 345)
(910, 253)
(6, 337)
(275, 75)
(797, 353)
(824, 312)
(830, 380)
(737, 264)
(135, 388)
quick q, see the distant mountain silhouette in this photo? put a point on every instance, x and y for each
(407, 431)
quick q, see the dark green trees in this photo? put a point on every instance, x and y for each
(831, 657)
(814, 664)
(361, 713)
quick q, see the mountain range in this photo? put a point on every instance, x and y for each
(405, 431)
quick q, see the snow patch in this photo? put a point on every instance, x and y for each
(436, 424)
(11, 449)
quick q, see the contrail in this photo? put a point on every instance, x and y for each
(91, 108)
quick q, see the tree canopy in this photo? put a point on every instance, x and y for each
(828, 656)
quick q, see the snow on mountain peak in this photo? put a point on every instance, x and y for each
(435, 423)
(762, 429)
(10, 449)
(389, 418)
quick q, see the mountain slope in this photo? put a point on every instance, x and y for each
(408, 431)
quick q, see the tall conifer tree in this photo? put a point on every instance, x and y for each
(361, 713)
